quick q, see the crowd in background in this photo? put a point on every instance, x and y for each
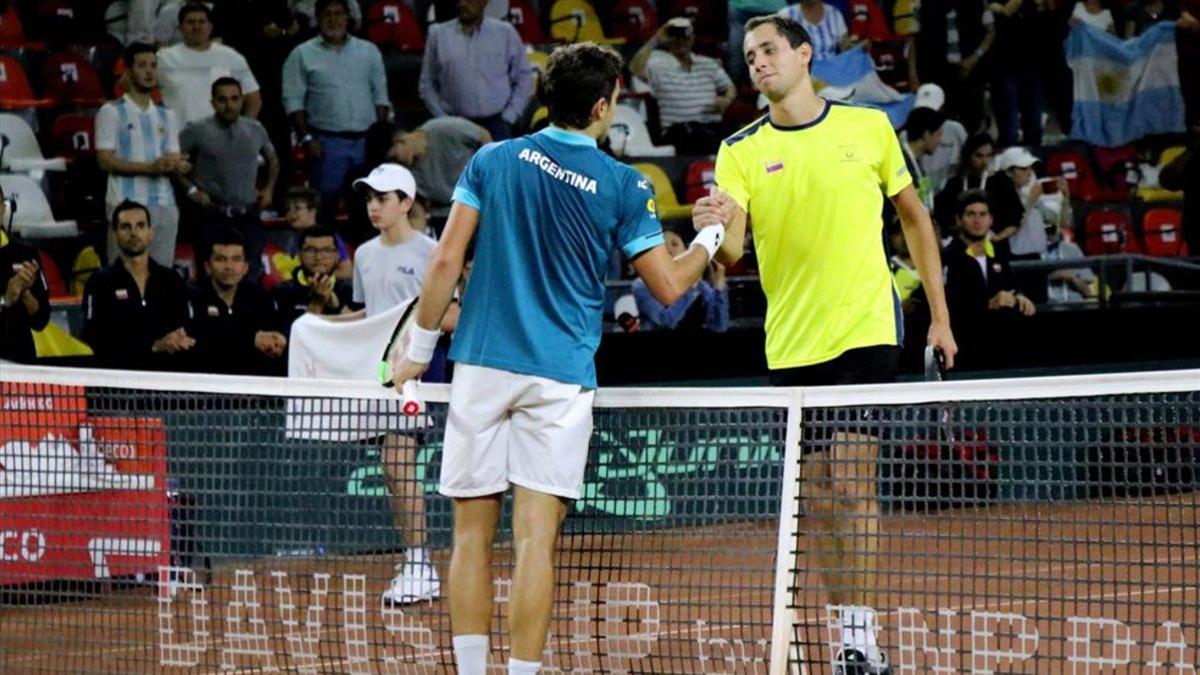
(220, 193)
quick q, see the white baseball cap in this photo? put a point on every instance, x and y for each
(929, 95)
(389, 177)
(1015, 156)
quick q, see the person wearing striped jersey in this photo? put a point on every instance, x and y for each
(137, 144)
(825, 25)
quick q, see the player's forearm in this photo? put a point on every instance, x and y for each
(923, 243)
(685, 271)
(438, 289)
(733, 246)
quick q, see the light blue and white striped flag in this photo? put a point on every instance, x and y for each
(1124, 89)
(851, 76)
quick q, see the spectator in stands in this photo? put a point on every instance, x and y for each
(825, 25)
(952, 50)
(1042, 201)
(233, 321)
(334, 88)
(301, 206)
(922, 136)
(188, 69)
(24, 296)
(135, 310)
(1070, 284)
(1023, 37)
(313, 286)
(139, 21)
(475, 67)
(942, 163)
(704, 306)
(388, 270)
(308, 12)
(437, 152)
(1183, 173)
(137, 144)
(225, 149)
(692, 90)
(1093, 13)
(980, 288)
(1142, 14)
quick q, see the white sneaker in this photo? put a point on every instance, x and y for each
(414, 582)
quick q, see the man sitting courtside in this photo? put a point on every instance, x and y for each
(233, 321)
(313, 288)
(135, 310)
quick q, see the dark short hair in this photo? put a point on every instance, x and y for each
(225, 236)
(310, 197)
(314, 232)
(190, 7)
(129, 205)
(972, 197)
(576, 77)
(323, 4)
(135, 48)
(923, 121)
(973, 143)
(225, 81)
(793, 31)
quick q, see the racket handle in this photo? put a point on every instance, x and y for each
(935, 364)
(413, 405)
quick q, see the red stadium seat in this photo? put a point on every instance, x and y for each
(1107, 232)
(53, 276)
(706, 17)
(185, 260)
(71, 79)
(700, 177)
(272, 275)
(392, 23)
(524, 17)
(891, 61)
(1081, 179)
(634, 20)
(12, 33)
(1162, 232)
(867, 21)
(15, 92)
(74, 135)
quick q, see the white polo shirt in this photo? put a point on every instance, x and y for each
(185, 76)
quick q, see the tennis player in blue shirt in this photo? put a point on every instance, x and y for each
(546, 211)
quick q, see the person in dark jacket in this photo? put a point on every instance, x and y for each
(24, 296)
(135, 310)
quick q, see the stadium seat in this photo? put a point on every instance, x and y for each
(706, 17)
(21, 151)
(700, 177)
(33, 218)
(634, 20)
(86, 263)
(74, 135)
(669, 207)
(537, 61)
(524, 17)
(1162, 232)
(576, 21)
(15, 92)
(1158, 194)
(275, 261)
(71, 79)
(53, 276)
(904, 17)
(12, 32)
(1106, 232)
(630, 137)
(185, 260)
(392, 23)
(1081, 179)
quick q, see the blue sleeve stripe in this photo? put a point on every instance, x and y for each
(464, 196)
(642, 244)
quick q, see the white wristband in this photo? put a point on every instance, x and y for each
(709, 239)
(421, 344)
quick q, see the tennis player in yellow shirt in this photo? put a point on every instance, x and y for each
(811, 177)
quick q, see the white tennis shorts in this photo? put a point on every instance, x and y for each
(504, 429)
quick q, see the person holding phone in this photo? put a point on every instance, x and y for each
(1044, 201)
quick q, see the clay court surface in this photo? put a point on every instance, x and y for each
(1100, 582)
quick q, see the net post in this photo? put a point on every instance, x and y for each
(782, 616)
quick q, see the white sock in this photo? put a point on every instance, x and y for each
(471, 652)
(858, 627)
(517, 667)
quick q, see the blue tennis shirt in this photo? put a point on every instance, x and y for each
(553, 209)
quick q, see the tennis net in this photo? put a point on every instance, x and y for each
(178, 523)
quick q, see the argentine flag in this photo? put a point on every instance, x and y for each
(1124, 89)
(851, 76)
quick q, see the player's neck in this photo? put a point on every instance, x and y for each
(593, 131)
(138, 268)
(396, 233)
(801, 106)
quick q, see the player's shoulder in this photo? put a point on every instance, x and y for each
(747, 131)
(858, 113)
(625, 176)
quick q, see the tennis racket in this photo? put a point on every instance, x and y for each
(413, 405)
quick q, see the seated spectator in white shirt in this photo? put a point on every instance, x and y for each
(692, 90)
(187, 70)
(1044, 201)
(1092, 13)
(942, 163)
(1070, 284)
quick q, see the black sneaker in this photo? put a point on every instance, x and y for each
(851, 661)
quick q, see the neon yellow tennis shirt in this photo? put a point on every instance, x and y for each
(814, 195)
